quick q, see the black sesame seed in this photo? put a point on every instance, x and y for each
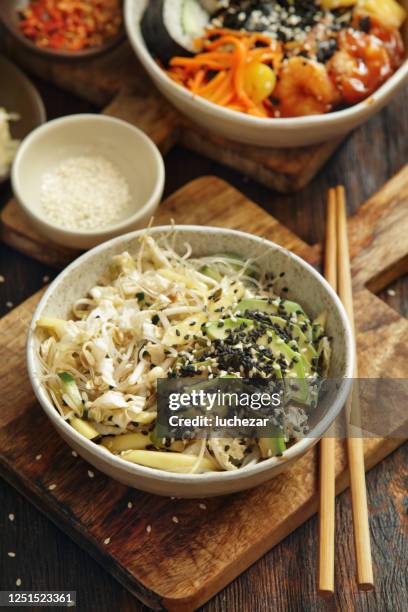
(365, 24)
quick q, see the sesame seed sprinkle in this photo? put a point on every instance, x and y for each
(149, 528)
(175, 519)
(11, 554)
(130, 505)
(202, 506)
(52, 487)
(38, 457)
(74, 454)
(11, 517)
(91, 474)
(107, 541)
(18, 582)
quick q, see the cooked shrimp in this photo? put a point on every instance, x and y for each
(360, 66)
(393, 43)
(305, 88)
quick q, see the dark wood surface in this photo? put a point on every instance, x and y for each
(285, 578)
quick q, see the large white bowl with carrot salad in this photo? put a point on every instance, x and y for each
(271, 84)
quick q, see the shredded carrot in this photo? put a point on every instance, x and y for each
(217, 71)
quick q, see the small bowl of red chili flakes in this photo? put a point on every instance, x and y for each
(64, 29)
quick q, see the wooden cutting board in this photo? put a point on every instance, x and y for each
(118, 83)
(180, 566)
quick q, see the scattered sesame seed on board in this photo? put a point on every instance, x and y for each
(391, 292)
(203, 506)
(175, 519)
(38, 457)
(149, 528)
(11, 554)
(91, 474)
(74, 454)
(52, 487)
(107, 541)
(11, 517)
(130, 505)
(18, 582)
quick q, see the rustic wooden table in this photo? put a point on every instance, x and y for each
(285, 578)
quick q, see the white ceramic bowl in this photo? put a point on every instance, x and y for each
(293, 132)
(305, 285)
(20, 97)
(127, 147)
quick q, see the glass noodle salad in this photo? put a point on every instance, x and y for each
(161, 314)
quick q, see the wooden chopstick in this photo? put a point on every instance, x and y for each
(327, 444)
(355, 445)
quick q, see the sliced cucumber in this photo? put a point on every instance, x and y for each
(70, 392)
(194, 19)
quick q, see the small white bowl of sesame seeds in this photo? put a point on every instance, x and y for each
(83, 179)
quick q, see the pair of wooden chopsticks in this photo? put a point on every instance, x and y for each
(337, 273)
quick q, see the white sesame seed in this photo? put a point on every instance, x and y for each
(52, 487)
(11, 517)
(174, 519)
(391, 292)
(2, 279)
(11, 554)
(84, 192)
(130, 505)
(107, 541)
(38, 457)
(91, 474)
(202, 506)
(74, 454)
(148, 528)
(9, 304)
(18, 582)
(45, 278)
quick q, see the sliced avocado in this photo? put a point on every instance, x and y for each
(185, 330)
(224, 298)
(278, 347)
(299, 390)
(211, 273)
(271, 447)
(252, 269)
(298, 336)
(218, 330)
(318, 326)
(277, 307)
